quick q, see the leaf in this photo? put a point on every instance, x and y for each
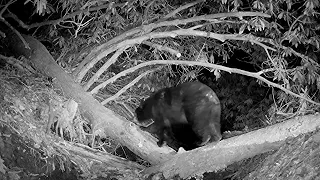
(262, 23)
(289, 4)
(297, 75)
(41, 6)
(258, 5)
(281, 15)
(217, 74)
(79, 17)
(242, 28)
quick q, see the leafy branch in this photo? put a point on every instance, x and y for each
(145, 29)
(155, 35)
(256, 75)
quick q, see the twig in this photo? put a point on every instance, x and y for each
(15, 17)
(195, 63)
(312, 61)
(265, 71)
(124, 89)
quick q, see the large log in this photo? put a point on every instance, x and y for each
(103, 120)
(216, 157)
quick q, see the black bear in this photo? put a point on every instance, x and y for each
(187, 115)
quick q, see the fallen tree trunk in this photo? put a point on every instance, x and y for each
(103, 120)
(216, 157)
(196, 162)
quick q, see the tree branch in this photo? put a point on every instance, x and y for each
(124, 89)
(15, 17)
(163, 48)
(301, 55)
(171, 14)
(112, 60)
(116, 55)
(144, 29)
(155, 35)
(16, 32)
(194, 63)
(210, 17)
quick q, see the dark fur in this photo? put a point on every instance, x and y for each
(187, 115)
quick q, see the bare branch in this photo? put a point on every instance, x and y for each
(171, 14)
(194, 63)
(210, 17)
(112, 60)
(124, 89)
(154, 35)
(117, 54)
